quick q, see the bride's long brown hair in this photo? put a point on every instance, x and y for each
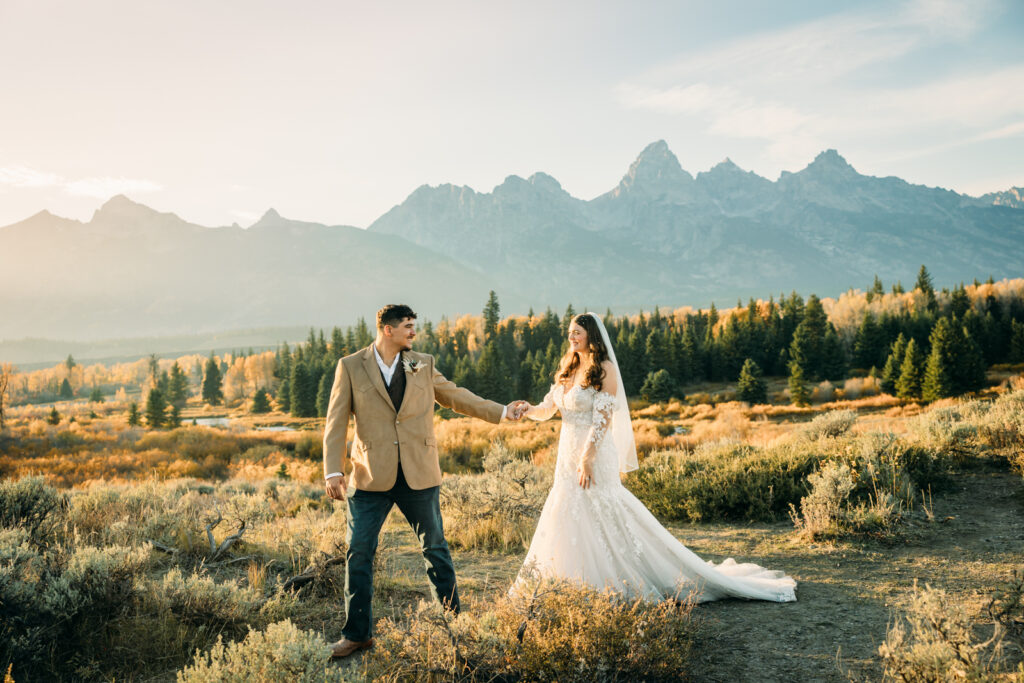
(570, 362)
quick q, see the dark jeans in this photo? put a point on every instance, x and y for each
(367, 511)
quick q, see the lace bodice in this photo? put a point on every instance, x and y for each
(586, 418)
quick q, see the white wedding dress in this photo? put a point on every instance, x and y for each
(606, 538)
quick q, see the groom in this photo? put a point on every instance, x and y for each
(391, 390)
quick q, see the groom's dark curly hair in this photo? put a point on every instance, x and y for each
(393, 314)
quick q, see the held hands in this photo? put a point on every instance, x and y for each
(515, 410)
(336, 487)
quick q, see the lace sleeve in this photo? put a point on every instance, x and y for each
(604, 404)
(546, 408)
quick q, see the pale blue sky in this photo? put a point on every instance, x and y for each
(335, 111)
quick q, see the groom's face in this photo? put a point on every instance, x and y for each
(403, 333)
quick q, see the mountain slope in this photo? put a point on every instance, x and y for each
(134, 271)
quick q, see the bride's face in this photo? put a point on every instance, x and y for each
(578, 341)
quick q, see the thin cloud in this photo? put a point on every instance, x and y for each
(99, 188)
(20, 176)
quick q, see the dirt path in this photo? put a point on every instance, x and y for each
(847, 593)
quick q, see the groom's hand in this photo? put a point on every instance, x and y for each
(514, 410)
(336, 487)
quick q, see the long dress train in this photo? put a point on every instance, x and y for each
(605, 537)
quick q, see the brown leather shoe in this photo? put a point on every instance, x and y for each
(345, 647)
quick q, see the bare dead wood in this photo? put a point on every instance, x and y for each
(310, 574)
(164, 548)
(216, 551)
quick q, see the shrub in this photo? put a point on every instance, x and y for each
(309, 448)
(560, 632)
(57, 604)
(31, 505)
(658, 386)
(496, 510)
(282, 652)
(829, 425)
(935, 641)
(827, 512)
(724, 481)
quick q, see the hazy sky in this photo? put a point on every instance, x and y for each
(335, 111)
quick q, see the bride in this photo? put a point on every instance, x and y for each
(592, 529)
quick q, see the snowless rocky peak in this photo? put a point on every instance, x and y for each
(655, 173)
(269, 220)
(542, 181)
(830, 164)
(120, 208)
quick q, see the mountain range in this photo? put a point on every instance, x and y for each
(660, 237)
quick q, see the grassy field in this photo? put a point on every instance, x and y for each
(127, 553)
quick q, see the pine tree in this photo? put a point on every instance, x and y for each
(808, 338)
(525, 376)
(212, 391)
(893, 363)
(877, 290)
(465, 373)
(938, 374)
(303, 401)
(66, 393)
(284, 395)
(323, 394)
(133, 414)
(868, 344)
(925, 285)
(657, 351)
(155, 409)
(657, 387)
(174, 417)
(570, 313)
(177, 386)
(338, 348)
(492, 378)
(1016, 350)
(911, 372)
(492, 315)
(96, 396)
(751, 387)
(54, 417)
(959, 302)
(970, 368)
(798, 392)
(261, 401)
(833, 357)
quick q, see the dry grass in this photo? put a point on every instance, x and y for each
(128, 488)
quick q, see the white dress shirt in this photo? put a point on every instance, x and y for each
(387, 371)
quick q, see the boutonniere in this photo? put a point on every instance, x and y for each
(412, 367)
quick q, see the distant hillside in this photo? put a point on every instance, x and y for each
(660, 237)
(131, 271)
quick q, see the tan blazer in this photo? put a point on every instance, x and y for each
(359, 390)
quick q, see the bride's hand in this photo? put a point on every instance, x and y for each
(586, 475)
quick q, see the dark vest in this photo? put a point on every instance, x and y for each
(396, 390)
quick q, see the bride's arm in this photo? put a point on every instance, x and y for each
(545, 409)
(604, 404)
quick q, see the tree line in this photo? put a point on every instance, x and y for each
(931, 351)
